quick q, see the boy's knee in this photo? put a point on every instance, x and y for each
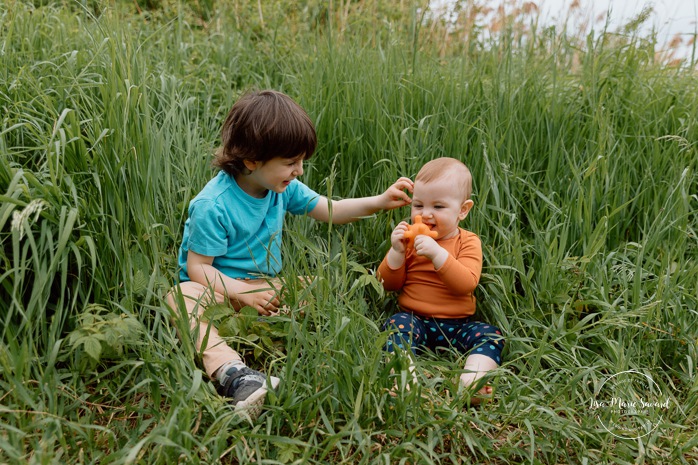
(192, 295)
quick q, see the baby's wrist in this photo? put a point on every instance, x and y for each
(439, 258)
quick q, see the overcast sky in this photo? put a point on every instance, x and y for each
(669, 17)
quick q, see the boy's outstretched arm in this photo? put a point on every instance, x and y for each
(348, 210)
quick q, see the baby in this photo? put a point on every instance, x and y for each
(436, 277)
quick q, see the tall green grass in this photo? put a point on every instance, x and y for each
(584, 161)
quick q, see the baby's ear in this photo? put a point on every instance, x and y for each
(465, 209)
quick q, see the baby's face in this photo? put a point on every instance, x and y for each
(441, 205)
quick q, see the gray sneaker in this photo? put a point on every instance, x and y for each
(247, 388)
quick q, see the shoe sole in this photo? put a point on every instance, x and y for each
(252, 406)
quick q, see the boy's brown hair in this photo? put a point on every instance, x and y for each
(263, 125)
(447, 168)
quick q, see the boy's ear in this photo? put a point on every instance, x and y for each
(465, 209)
(251, 164)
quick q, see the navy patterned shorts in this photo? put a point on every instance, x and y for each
(463, 334)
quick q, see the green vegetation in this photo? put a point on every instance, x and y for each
(583, 152)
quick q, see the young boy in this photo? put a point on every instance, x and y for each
(437, 276)
(231, 247)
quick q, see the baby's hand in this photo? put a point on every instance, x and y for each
(395, 196)
(427, 247)
(397, 238)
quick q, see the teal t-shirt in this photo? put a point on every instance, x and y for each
(241, 232)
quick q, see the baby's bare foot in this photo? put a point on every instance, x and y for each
(468, 382)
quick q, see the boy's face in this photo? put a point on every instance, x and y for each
(272, 175)
(441, 205)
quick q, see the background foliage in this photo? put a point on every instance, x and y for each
(583, 150)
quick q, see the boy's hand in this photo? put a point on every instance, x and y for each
(257, 293)
(395, 196)
(397, 238)
(427, 247)
(265, 302)
(260, 297)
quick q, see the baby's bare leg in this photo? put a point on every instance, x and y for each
(477, 366)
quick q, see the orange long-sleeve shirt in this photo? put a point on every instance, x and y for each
(443, 293)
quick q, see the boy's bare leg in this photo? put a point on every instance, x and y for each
(246, 387)
(197, 298)
(476, 366)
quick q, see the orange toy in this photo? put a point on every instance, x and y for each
(416, 229)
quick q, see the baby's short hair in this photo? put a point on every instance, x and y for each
(447, 168)
(263, 125)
